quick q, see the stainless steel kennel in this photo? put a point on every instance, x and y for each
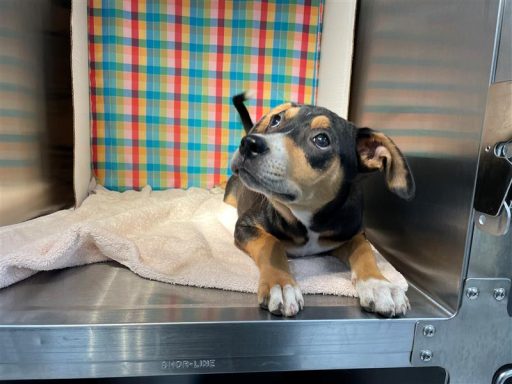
(437, 77)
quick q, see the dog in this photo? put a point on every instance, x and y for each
(296, 187)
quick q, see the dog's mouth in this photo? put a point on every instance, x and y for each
(258, 185)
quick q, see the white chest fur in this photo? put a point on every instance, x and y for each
(313, 246)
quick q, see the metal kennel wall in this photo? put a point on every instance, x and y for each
(436, 77)
(36, 110)
(421, 74)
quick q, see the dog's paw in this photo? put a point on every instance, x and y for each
(382, 297)
(284, 300)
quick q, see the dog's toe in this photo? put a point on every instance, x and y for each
(382, 297)
(275, 302)
(401, 301)
(286, 301)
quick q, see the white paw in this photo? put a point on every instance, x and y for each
(287, 301)
(382, 297)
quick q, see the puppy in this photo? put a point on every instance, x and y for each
(296, 190)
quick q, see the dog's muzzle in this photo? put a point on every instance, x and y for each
(261, 164)
(252, 146)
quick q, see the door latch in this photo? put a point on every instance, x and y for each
(493, 188)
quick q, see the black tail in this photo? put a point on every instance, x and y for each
(238, 102)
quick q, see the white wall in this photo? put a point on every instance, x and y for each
(80, 70)
(336, 55)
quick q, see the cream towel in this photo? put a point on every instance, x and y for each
(174, 236)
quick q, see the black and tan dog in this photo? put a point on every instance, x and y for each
(296, 190)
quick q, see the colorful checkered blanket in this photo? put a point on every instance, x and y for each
(162, 75)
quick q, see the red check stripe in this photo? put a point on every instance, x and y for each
(135, 98)
(304, 50)
(177, 102)
(92, 84)
(261, 59)
(218, 86)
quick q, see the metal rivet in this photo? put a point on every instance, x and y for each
(482, 220)
(472, 293)
(488, 148)
(429, 330)
(426, 355)
(499, 293)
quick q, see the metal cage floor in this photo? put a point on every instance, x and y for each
(109, 293)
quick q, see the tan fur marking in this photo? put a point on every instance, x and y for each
(287, 214)
(399, 180)
(291, 113)
(265, 121)
(373, 163)
(396, 179)
(325, 238)
(361, 258)
(280, 108)
(261, 127)
(270, 256)
(318, 187)
(320, 122)
(300, 169)
(231, 200)
(328, 243)
(267, 251)
(284, 211)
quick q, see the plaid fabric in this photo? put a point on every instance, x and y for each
(162, 75)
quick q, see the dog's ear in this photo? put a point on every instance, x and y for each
(376, 151)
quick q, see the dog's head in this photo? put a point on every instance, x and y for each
(302, 155)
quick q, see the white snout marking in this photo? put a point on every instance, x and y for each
(275, 143)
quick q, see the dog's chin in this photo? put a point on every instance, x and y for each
(256, 184)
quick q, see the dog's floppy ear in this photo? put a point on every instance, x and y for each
(376, 151)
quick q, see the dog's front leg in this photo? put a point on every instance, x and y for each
(277, 289)
(376, 293)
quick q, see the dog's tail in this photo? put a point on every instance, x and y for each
(238, 102)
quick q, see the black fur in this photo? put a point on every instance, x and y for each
(339, 219)
(238, 102)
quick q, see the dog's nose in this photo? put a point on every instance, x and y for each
(252, 146)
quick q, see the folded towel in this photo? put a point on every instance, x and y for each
(175, 236)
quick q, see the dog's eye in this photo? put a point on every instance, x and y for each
(321, 140)
(274, 122)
